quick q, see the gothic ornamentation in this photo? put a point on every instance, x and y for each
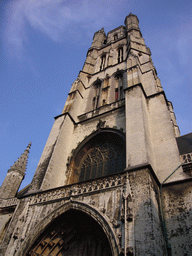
(73, 233)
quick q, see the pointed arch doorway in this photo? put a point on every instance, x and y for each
(74, 233)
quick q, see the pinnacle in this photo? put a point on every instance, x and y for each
(21, 163)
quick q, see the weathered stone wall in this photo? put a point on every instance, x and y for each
(149, 238)
(127, 203)
(5, 217)
(163, 140)
(46, 155)
(11, 184)
(102, 197)
(70, 137)
(177, 207)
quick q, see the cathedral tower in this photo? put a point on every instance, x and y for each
(110, 167)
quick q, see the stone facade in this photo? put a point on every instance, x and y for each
(110, 180)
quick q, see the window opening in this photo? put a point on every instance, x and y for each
(103, 59)
(97, 102)
(104, 159)
(120, 54)
(96, 98)
(115, 37)
(93, 102)
(72, 233)
(119, 87)
(121, 92)
(116, 94)
(103, 155)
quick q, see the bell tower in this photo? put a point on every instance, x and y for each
(117, 89)
(109, 177)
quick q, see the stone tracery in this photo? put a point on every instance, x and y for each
(102, 155)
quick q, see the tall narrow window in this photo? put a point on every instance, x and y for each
(96, 98)
(97, 102)
(93, 102)
(103, 59)
(120, 54)
(115, 37)
(105, 90)
(116, 94)
(119, 87)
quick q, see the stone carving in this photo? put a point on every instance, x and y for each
(73, 190)
(186, 158)
(102, 209)
(8, 202)
(101, 124)
(115, 223)
(126, 211)
(72, 237)
(129, 251)
(92, 202)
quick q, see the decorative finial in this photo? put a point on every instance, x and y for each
(29, 145)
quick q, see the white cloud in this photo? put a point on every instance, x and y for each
(172, 49)
(53, 18)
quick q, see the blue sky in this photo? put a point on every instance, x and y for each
(43, 45)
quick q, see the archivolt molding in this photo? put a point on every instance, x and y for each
(100, 218)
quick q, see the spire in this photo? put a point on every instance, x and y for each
(21, 163)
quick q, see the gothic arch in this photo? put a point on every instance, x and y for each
(91, 213)
(101, 154)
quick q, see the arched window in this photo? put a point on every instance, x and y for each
(97, 89)
(101, 160)
(102, 155)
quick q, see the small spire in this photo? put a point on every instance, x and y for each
(28, 147)
(21, 163)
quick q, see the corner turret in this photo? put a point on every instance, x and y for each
(99, 39)
(132, 25)
(15, 175)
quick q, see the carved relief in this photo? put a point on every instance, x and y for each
(101, 124)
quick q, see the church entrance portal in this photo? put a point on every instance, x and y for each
(74, 233)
